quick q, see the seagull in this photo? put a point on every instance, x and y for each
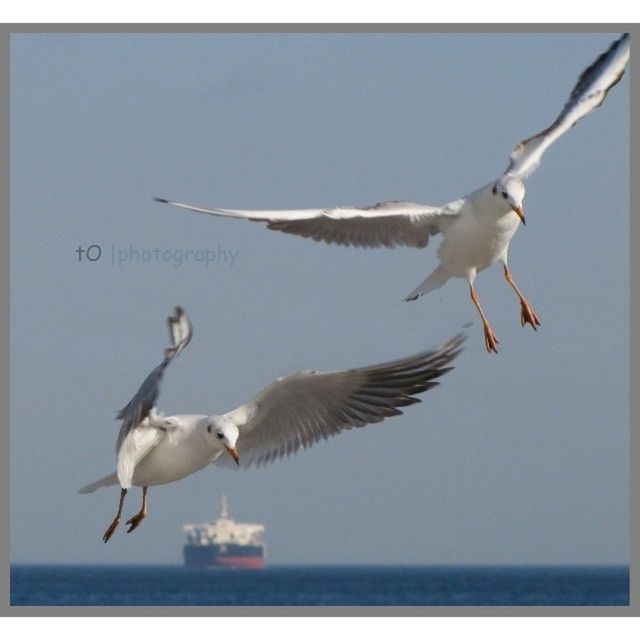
(293, 412)
(476, 229)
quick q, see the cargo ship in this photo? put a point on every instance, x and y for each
(225, 543)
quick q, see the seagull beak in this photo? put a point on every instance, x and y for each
(520, 213)
(234, 454)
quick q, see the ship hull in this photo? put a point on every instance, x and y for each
(219, 555)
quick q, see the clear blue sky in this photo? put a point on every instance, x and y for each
(516, 458)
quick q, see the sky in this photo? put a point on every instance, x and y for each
(520, 457)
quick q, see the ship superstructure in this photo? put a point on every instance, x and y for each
(225, 543)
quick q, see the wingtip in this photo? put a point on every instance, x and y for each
(622, 41)
(459, 338)
(184, 335)
(163, 200)
(454, 347)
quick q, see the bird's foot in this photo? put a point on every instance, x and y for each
(528, 316)
(490, 339)
(109, 532)
(136, 520)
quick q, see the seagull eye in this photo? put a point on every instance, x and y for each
(504, 195)
(219, 436)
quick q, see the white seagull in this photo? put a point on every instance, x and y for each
(292, 412)
(477, 228)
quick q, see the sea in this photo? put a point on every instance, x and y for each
(318, 586)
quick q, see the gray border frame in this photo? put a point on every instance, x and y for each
(634, 557)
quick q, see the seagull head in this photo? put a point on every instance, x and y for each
(510, 190)
(226, 432)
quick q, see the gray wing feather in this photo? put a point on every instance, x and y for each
(296, 411)
(138, 408)
(589, 93)
(391, 231)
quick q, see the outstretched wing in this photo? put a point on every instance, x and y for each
(386, 224)
(301, 409)
(589, 93)
(139, 407)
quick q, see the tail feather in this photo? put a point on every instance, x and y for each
(107, 481)
(434, 281)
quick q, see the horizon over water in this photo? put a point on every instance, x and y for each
(318, 585)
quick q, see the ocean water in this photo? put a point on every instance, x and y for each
(319, 586)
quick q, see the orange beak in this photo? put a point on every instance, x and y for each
(520, 213)
(234, 454)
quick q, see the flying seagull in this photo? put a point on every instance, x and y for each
(477, 228)
(292, 412)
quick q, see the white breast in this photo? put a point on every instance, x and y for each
(477, 240)
(183, 451)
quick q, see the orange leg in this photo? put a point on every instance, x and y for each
(141, 515)
(490, 338)
(527, 315)
(116, 521)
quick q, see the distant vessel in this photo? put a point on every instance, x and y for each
(225, 543)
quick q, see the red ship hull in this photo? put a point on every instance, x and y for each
(242, 562)
(228, 555)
